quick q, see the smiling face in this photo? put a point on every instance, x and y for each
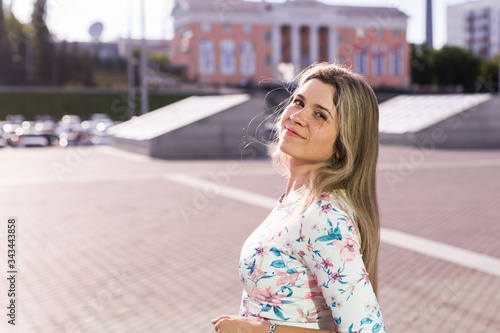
(309, 125)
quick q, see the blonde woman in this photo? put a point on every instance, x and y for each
(312, 264)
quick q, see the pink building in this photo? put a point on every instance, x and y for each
(236, 41)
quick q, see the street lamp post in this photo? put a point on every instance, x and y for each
(428, 25)
(130, 65)
(144, 79)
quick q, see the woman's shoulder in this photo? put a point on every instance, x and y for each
(330, 209)
(335, 202)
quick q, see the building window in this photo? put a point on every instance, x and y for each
(247, 28)
(206, 27)
(269, 37)
(247, 58)
(396, 57)
(227, 27)
(341, 39)
(361, 58)
(396, 33)
(378, 32)
(227, 59)
(269, 60)
(378, 60)
(206, 57)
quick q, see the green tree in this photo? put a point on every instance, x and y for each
(4, 54)
(489, 74)
(3, 33)
(43, 47)
(422, 64)
(87, 70)
(75, 67)
(457, 66)
(159, 61)
(62, 68)
(13, 51)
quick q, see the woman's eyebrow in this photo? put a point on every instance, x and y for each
(316, 105)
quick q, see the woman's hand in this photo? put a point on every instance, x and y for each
(238, 324)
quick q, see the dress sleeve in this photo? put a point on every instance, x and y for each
(329, 247)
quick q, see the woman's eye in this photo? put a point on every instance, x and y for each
(297, 102)
(321, 115)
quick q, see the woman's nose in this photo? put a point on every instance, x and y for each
(299, 117)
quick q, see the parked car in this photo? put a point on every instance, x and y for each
(67, 137)
(3, 140)
(69, 130)
(71, 121)
(13, 122)
(95, 129)
(46, 126)
(28, 140)
(15, 119)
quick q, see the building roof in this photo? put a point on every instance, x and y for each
(175, 116)
(222, 7)
(375, 12)
(411, 114)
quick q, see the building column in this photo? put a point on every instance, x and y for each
(333, 44)
(295, 45)
(276, 48)
(313, 43)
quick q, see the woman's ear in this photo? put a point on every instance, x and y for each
(336, 150)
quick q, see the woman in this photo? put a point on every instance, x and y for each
(312, 264)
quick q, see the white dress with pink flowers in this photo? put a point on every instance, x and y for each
(307, 270)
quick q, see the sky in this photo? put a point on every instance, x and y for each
(71, 19)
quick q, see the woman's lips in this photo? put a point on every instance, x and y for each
(291, 132)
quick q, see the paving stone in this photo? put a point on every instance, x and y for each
(106, 247)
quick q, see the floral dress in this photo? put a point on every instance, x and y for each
(306, 270)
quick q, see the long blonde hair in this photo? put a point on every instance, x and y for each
(353, 173)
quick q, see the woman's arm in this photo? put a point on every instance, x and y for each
(329, 247)
(327, 244)
(238, 324)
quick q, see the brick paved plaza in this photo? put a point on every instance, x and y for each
(109, 241)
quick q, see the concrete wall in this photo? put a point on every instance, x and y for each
(476, 128)
(218, 136)
(134, 146)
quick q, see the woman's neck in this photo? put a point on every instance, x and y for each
(299, 178)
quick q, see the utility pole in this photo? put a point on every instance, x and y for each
(144, 78)
(428, 26)
(130, 66)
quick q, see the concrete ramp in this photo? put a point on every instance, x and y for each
(198, 127)
(462, 121)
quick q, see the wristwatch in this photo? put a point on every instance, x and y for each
(272, 328)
